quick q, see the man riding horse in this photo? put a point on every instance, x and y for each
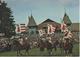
(67, 42)
(46, 42)
(20, 44)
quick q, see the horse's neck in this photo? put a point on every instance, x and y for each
(17, 43)
(66, 43)
(24, 40)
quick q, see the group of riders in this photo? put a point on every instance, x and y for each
(65, 44)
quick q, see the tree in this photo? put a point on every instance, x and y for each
(7, 23)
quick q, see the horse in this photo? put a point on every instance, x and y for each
(41, 45)
(21, 44)
(55, 44)
(49, 47)
(67, 46)
(45, 44)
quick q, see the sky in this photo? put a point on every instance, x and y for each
(43, 9)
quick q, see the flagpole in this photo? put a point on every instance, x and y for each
(60, 28)
(61, 32)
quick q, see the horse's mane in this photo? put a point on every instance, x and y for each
(16, 42)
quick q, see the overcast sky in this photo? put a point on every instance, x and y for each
(43, 9)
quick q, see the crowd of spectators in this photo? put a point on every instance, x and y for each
(4, 45)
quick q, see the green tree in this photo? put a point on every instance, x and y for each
(7, 23)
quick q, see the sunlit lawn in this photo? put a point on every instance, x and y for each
(36, 52)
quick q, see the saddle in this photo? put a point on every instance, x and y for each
(66, 45)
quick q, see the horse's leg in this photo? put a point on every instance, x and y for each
(20, 52)
(50, 51)
(61, 50)
(66, 52)
(70, 50)
(41, 50)
(17, 53)
(55, 49)
(27, 50)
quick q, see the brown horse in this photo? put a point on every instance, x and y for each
(67, 46)
(56, 43)
(45, 44)
(21, 45)
(49, 47)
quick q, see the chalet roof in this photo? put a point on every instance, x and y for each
(48, 21)
(66, 19)
(31, 21)
(75, 27)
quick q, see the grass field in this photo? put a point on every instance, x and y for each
(36, 52)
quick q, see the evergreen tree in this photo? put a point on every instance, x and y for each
(7, 23)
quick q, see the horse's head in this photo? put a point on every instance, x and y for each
(15, 41)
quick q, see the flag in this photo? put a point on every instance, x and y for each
(17, 28)
(66, 33)
(22, 28)
(51, 29)
(64, 27)
(69, 34)
(41, 32)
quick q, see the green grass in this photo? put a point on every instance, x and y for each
(36, 52)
